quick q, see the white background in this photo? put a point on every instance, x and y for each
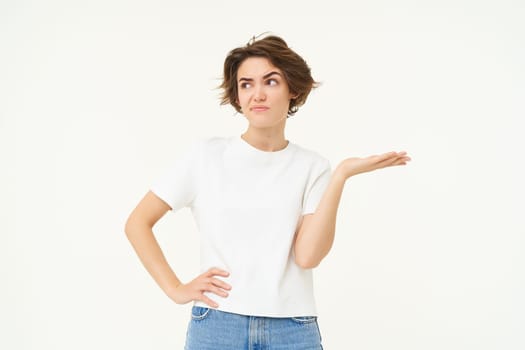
(97, 97)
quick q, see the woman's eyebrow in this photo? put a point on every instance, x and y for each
(264, 77)
(270, 74)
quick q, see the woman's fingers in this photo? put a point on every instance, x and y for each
(205, 282)
(380, 158)
(392, 158)
(209, 277)
(208, 301)
(214, 285)
(213, 289)
(220, 283)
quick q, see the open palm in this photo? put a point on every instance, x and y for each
(355, 165)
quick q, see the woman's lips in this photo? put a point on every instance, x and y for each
(259, 109)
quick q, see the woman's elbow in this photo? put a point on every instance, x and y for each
(129, 227)
(146, 214)
(135, 225)
(306, 262)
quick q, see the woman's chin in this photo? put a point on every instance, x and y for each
(260, 121)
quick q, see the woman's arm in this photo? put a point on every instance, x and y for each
(315, 235)
(139, 230)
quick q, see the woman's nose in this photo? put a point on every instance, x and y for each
(259, 94)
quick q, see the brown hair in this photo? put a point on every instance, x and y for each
(295, 70)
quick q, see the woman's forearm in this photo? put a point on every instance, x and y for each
(316, 236)
(147, 248)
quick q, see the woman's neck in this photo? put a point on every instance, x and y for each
(267, 141)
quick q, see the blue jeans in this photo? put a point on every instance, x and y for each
(211, 329)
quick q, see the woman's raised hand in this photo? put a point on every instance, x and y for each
(354, 166)
(195, 289)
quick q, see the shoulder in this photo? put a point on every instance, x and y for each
(207, 142)
(312, 157)
(209, 146)
(212, 142)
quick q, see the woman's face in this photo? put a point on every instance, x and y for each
(263, 92)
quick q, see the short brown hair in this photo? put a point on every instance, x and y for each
(295, 70)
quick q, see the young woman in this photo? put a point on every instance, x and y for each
(265, 208)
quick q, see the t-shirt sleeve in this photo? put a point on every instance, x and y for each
(316, 187)
(178, 184)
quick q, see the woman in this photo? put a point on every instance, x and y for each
(265, 208)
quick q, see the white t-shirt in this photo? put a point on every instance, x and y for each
(247, 205)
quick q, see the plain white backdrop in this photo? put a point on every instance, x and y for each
(97, 98)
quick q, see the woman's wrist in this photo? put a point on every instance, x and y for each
(340, 175)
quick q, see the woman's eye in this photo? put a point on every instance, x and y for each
(245, 85)
(272, 82)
